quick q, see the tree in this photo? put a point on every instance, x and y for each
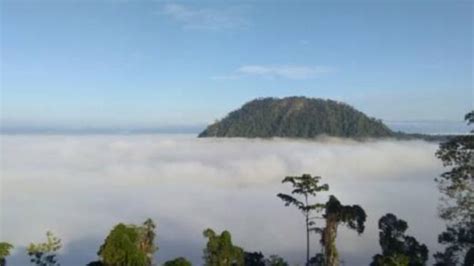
(121, 247)
(335, 213)
(393, 260)
(147, 239)
(129, 245)
(304, 187)
(4, 252)
(178, 262)
(254, 259)
(397, 248)
(275, 260)
(95, 263)
(457, 203)
(220, 251)
(44, 254)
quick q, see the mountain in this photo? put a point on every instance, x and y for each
(297, 117)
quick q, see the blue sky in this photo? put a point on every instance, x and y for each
(156, 63)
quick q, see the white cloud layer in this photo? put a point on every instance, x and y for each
(290, 72)
(296, 72)
(80, 186)
(205, 18)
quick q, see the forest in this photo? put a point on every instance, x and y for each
(297, 117)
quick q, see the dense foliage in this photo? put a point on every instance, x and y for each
(297, 117)
(128, 245)
(353, 216)
(220, 251)
(398, 248)
(4, 252)
(178, 262)
(457, 207)
(44, 254)
(5, 249)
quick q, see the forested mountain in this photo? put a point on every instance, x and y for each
(297, 117)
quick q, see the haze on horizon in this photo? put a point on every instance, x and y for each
(144, 63)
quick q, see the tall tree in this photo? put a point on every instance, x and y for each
(121, 247)
(128, 245)
(44, 254)
(304, 187)
(4, 252)
(398, 248)
(220, 251)
(335, 214)
(147, 239)
(457, 204)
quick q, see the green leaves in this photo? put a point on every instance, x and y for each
(457, 202)
(353, 216)
(304, 186)
(335, 213)
(5, 249)
(44, 254)
(220, 251)
(129, 245)
(398, 248)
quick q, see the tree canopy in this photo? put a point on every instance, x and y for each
(220, 251)
(353, 216)
(305, 187)
(5, 249)
(178, 262)
(398, 248)
(457, 205)
(297, 117)
(129, 245)
(44, 254)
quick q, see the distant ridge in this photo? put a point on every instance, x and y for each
(297, 117)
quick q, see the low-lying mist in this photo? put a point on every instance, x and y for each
(79, 187)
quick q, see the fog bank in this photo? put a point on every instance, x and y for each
(80, 186)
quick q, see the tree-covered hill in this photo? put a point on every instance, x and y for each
(297, 117)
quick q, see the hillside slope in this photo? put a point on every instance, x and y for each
(297, 117)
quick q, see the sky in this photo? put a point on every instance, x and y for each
(144, 63)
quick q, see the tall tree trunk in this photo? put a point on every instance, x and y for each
(307, 239)
(307, 230)
(329, 239)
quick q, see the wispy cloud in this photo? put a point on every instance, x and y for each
(206, 18)
(279, 71)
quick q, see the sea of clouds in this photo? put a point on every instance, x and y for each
(80, 186)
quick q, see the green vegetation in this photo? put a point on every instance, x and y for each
(129, 245)
(297, 117)
(457, 206)
(178, 262)
(4, 252)
(397, 248)
(220, 251)
(44, 254)
(336, 213)
(304, 186)
(275, 260)
(258, 259)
